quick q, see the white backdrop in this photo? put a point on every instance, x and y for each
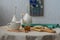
(51, 11)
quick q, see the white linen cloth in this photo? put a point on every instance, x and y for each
(6, 35)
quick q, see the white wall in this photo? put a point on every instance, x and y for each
(51, 11)
(8, 9)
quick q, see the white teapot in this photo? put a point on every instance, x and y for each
(27, 19)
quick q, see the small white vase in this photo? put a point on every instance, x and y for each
(27, 19)
(21, 21)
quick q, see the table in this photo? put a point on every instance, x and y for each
(6, 35)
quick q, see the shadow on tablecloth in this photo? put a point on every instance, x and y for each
(46, 37)
(49, 37)
(7, 37)
(30, 37)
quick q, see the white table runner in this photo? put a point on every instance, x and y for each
(5, 35)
